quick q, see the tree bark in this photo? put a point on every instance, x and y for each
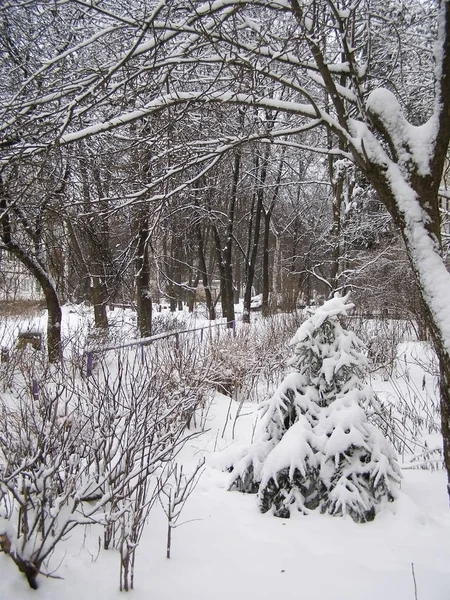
(224, 253)
(267, 220)
(204, 274)
(228, 254)
(54, 345)
(27, 567)
(444, 386)
(142, 270)
(257, 230)
(266, 278)
(99, 295)
(416, 235)
(337, 183)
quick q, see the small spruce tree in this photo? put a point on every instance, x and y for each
(315, 448)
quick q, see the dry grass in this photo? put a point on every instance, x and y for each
(21, 308)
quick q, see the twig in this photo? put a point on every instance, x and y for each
(415, 583)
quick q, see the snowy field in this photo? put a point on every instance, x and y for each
(227, 549)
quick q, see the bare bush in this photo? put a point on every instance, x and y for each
(80, 450)
(249, 364)
(408, 414)
(382, 335)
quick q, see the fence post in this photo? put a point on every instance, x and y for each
(177, 341)
(234, 327)
(35, 388)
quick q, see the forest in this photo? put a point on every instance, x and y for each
(233, 161)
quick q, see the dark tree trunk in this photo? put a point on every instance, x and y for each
(30, 571)
(267, 220)
(93, 245)
(237, 281)
(266, 279)
(228, 254)
(250, 224)
(204, 274)
(426, 191)
(99, 287)
(224, 255)
(99, 295)
(220, 265)
(28, 568)
(444, 366)
(174, 274)
(38, 269)
(142, 269)
(338, 186)
(54, 346)
(251, 260)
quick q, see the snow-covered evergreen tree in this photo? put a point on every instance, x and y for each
(315, 447)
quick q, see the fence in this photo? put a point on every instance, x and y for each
(90, 352)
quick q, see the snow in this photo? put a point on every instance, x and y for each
(410, 141)
(228, 549)
(232, 551)
(334, 306)
(292, 452)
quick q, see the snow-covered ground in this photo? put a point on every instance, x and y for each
(228, 549)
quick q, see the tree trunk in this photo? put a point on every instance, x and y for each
(220, 265)
(224, 263)
(277, 276)
(267, 221)
(423, 243)
(266, 279)
(443, 355)
(250, 224)
(444, 367)
(204, 274)
(338, 187)
(228, 253)
(30, 571)
(28, 568)
(237, 280)
(54, 346)
(169, 538)
(99, 295)
(100, 288)
(251, 260)
(38, 270)
(142, 269)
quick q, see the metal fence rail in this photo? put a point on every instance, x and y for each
(89, 352)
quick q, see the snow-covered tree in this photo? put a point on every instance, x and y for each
(315, 447)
